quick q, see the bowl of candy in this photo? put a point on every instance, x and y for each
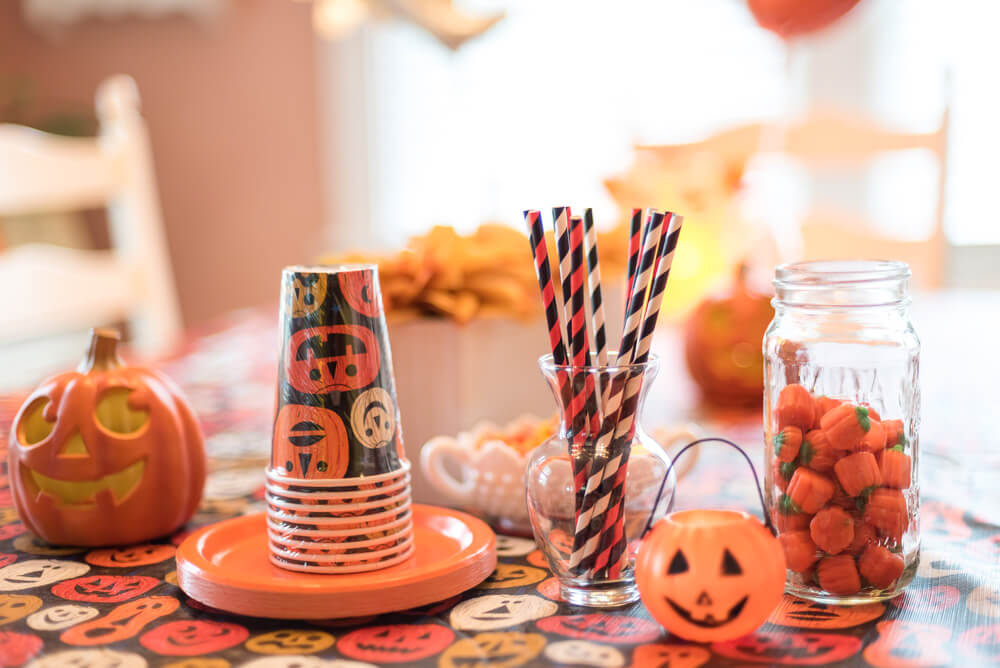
(482, 469)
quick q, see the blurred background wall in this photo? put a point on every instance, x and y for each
(232, 113)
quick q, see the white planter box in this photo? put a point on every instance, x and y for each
(449, 376)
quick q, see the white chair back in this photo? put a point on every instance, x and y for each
(49, 290)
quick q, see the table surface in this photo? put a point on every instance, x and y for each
(950, 615)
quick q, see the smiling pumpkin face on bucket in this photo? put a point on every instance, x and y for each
(710, 575)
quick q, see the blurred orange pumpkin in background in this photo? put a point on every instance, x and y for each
(722, 344)
(790, 18)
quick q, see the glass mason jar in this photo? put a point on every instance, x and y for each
(841, 422)
(594, 565)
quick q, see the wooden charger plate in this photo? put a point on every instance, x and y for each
(226, 566)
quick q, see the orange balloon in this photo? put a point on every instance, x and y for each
(710, 575)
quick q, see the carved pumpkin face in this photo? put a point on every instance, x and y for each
(909, 644)
(17, 648)
(104, 588)
(335, 358)
(15, 606)
(810, 615)
(193, 637)
(108, 454)
(512, 575)
(373, 418)
(306, 293)
(602, 628)
(360, 291)
(584, 653)
(309, 442)
(494, 650)
(799, 649)
(710, 575)
(396, 643)
(290, 641)
(670, 656)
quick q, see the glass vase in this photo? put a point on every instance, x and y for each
(589, 533)
(841, 421)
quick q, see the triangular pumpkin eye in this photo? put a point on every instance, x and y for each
(679, 564)
(729, 564)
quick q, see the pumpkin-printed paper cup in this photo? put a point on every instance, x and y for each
(402, 521)
(342, 520)
(368, 564)
(336, 415)
(323, 508)
(360, 492)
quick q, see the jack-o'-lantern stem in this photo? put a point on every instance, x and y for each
(103, 353)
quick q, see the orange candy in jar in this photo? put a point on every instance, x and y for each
(841, 393)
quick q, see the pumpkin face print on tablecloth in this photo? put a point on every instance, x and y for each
(583, 653)
(38, 572)
(669, 656)
(302, 661)
(6, 559)
(928, 600)
(122, 622)
(17, 648)
(358, 288)
(493, 650)
(290, 641)
(496, 611)
(309, 442)
(104, 588)
(16, 606)
(710, 574)
(306, 294)
(512, 575)
(59, 617)
(804, 614)
(905, 644)
(395, 643)
(335, 358)
(981, 644)
(602, 628)
(193, 637)
(107, 454)
(32, 545)
(373, 418)
(198, 662)
(984, 600)
(128, 557)
(89, 658)
(789, 649)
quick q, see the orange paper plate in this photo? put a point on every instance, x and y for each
(226, 566)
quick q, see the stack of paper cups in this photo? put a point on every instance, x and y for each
(338, 485)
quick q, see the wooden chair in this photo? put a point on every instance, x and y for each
(50, 290)
(828, 141)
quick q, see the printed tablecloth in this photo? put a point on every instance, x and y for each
(122, 607)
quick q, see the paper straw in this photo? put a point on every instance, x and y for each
(582, 404)
(560, 226)
(540, 253)
(615, 541)
(585, 538)
(594, 282)
(634, 247)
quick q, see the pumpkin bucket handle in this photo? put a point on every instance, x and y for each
(756, 480)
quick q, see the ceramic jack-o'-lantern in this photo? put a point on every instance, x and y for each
(710, 575)
(107, 454)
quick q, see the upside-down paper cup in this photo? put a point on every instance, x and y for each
(338, 483)
(336, 415)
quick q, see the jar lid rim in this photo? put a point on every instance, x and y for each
(820, 273)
